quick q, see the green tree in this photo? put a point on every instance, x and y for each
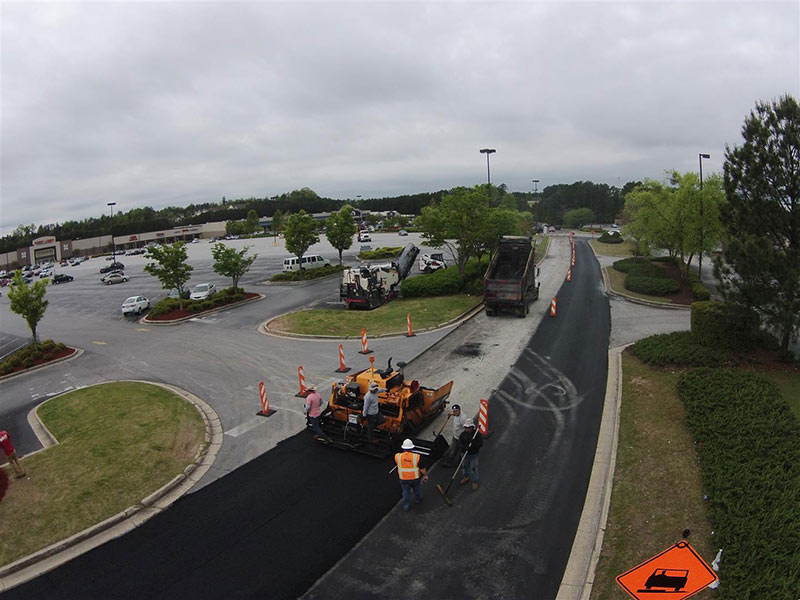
(457, 223)
(277, 221)
(170, 267)
(251, 223)
(300, 235)
(235, 227)
(28, 301)
(762, 218)
(341, 227)
(578, 217)
(672, 216)
(229, 262)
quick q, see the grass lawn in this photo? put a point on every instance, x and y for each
(657, 488)
(118, 443)
(623, 250)
(389, 318)
(617, 281)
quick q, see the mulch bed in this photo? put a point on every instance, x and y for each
(178, 314)
(684, 295)
(57, 354)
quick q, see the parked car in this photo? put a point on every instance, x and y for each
(114, 278)
(114, 266)
(45, 273)
(3, 274)
(402, 232)
(62, 278)
(310, 261)
(173, 293)
(363, 236)
(202, 291)
(4, 281)
(135, 304)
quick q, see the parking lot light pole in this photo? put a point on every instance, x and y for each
(700, 158)
(487, 152)
(113, 250)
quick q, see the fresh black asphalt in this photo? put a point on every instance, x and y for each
(302, 513)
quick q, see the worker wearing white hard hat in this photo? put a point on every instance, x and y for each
(411, 473)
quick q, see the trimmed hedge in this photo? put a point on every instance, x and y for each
(225, 296)
(724, 325)
(308, 274)
(445, 282)
(700, 292)
(625, 264)
(652, 286)
(610, 239)
(383, 252)
(679, 349)
(748, 444)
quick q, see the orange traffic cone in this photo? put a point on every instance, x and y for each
(342, 367)
(302, 379)
(265, 411)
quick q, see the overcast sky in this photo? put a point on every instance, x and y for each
(157, 104)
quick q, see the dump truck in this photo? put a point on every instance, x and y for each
(510, 280)
(407, 407)
(370, 286)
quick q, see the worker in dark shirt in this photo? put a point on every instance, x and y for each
(470, 441)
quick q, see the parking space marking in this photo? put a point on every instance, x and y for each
(142, 329)
(99, 343)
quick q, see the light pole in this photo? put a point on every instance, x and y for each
(700, 158)
(487, 152)
(535, 183)
(113, 250)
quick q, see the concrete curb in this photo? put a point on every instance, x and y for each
(145, 321)
(264, 328)
(49, 558)
(74, 355)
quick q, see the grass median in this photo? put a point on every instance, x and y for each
(386, 319)
(118, 443)
(623, 250)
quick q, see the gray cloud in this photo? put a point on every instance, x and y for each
(171, 103)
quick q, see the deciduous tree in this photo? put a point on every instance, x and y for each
(229, 262)
(300, 235)
(170, 267)
(340, 229)
(28, 300)
(762, 218)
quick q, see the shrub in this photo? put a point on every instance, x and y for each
(385, 252)
(27, 363)
(194, 307)
(15, 361)
(163, 306)
(47, 356)
(47, 344)
(5, 368)
(61, 345)
(308, 274)
(748, 445)
(700, 292)
(679, 349)
(625, 264)
(206, 305)
(724, 325)
(610, 239)
(36, 354)
(652, 286)
(439, 283)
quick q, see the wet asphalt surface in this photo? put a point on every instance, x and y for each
(304, 519)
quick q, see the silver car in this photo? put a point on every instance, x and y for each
(135, 304)
(114, 278)
(202, 291)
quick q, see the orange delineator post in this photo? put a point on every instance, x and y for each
(409, 332)
(265, 411)
(364, 347)
(302, 379)
(569, 274)
(483, 417)
(553, 308)
(342, 367)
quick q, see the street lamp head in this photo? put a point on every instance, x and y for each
(111, 204)
(488, 150)
(705, 155)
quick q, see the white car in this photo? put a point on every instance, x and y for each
(135, 304)
(202, 291)
(45, 273)
(114, 277)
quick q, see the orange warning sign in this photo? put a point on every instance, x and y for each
(677, 573)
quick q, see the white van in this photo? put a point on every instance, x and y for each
(310, 261)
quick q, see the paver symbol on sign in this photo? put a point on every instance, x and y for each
(677, 573)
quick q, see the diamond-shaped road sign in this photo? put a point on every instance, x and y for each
(677, 573)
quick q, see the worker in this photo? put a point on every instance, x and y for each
(11, 454)
(410, 473)
(371, 410)
(313, 410)
(470, 441)
(459, 418)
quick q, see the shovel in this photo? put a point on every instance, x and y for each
(443, 492)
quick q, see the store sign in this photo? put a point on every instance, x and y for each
(44, 240)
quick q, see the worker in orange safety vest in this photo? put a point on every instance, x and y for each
(411, 474)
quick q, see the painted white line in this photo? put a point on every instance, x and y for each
(245, 427)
